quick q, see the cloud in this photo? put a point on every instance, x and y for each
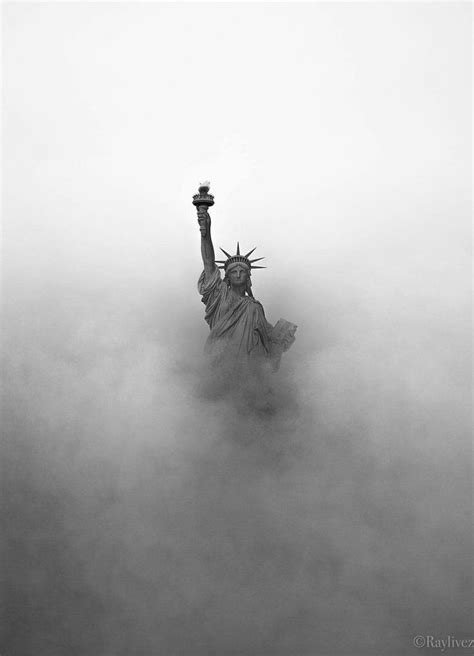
(147, 516)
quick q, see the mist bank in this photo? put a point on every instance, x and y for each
(145, 517)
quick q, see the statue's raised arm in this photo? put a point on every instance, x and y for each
(203, 200)
(207, 248)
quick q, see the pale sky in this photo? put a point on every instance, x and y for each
(335, 136)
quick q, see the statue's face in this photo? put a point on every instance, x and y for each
(238, 275)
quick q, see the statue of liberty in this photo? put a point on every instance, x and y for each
(242, 344)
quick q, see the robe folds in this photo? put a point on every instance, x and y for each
(240, 336)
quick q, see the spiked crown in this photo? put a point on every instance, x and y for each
(238, 258)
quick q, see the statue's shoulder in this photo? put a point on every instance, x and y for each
(251, 300)
(256, 305)
(209, 281)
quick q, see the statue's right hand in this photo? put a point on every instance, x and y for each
(204, 220)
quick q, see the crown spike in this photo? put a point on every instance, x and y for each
(238, 258)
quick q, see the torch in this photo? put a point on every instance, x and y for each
(202, 201)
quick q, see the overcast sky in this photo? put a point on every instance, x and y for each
(335, 137)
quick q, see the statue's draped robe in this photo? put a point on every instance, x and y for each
(240, 337)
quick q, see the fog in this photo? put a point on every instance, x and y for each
(143, 516)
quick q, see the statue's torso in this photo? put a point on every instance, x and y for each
(239, 329)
